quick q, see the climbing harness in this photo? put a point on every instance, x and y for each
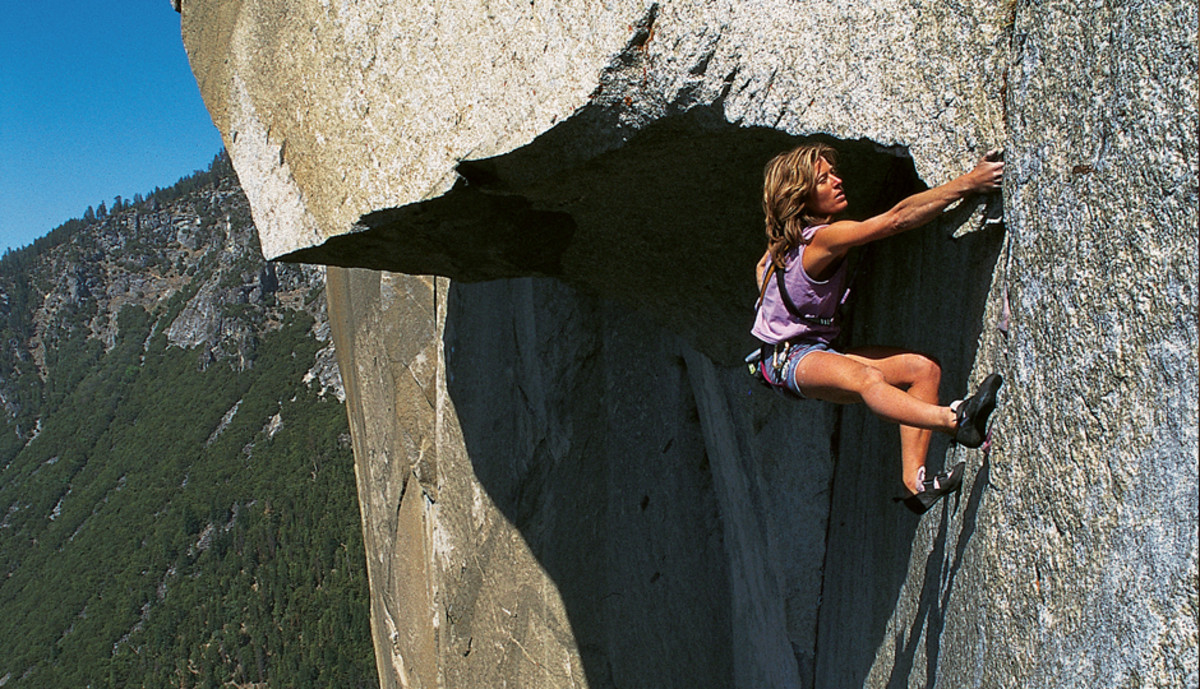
(776, 357)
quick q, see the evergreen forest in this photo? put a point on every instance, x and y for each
(177, 492)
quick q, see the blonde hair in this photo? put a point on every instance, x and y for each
(788, 184)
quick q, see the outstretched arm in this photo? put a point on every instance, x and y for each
(830, 244)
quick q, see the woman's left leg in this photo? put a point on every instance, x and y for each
(920, 376)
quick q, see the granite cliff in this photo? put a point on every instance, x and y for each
(541, 219)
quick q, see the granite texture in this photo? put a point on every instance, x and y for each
(567, 480)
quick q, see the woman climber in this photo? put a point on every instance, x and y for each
(802, 281)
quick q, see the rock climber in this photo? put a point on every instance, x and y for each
(802, 281)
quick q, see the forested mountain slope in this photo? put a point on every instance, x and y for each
(177, 500)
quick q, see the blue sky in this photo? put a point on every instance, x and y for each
(96, 100)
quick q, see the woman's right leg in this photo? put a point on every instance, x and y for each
(837, 378)
(849, 379)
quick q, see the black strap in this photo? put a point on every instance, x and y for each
(791, 305)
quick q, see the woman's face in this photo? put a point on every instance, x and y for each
(827, 197)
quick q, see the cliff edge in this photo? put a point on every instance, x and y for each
(543, 218)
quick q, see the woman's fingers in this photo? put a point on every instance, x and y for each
(988, 174)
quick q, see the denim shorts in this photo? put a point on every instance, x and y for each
(787, 356)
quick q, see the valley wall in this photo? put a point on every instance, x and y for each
(541, 221)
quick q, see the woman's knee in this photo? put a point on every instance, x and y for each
(866, 377)
(925, 369)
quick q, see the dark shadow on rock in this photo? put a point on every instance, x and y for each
(933, 634)
(582, 427)
(665, 219)
(469, 234)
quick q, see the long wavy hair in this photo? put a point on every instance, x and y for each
(788, 184)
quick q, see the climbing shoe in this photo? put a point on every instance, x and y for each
(932, 489)
(974, 411)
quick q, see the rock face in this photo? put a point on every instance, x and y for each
(565, 477)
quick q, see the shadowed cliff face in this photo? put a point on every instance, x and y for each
(668, 222)
(619, 452)
(690, 521)
(696, 529)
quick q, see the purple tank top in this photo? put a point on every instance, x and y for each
(814, 299)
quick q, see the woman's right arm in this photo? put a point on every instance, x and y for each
(833, 242)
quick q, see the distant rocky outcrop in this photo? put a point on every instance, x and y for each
(545, 217)
(193, 261)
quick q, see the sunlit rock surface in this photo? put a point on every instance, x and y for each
(567, 480)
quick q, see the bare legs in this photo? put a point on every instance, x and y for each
(897, 385)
